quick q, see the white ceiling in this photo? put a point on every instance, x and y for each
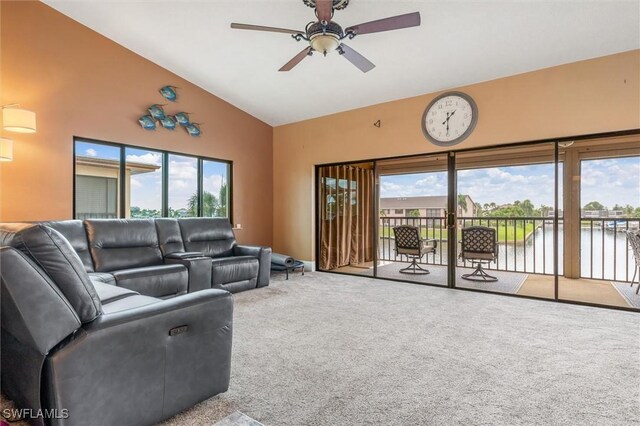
(458, 43)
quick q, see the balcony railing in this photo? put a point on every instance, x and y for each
(83, 216)
(604, 248)
(526, 244)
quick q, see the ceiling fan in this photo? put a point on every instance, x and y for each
(325, 35)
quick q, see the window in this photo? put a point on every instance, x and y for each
(113, 181)
(96, 181)
(144, 183)
(183, 186)
(215, 187)
(399, 211)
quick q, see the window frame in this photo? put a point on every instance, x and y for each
(121, 213)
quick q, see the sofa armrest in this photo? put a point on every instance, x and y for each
(263, 254)
(198, 268)
(165, 357)
(212, 304)
(184, 255)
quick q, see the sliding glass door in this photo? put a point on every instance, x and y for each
(604, 203)
(550, 220)
(413, 205)
(345, 218)
(506, 220)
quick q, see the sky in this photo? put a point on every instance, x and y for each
(146, 188)
(610, 181)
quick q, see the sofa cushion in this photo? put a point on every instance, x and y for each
(231, 269)
(74, 232)
(212, 237)
(102, 277)
(53, 253)
(109, 293)
(117, 244)
(155, 281)
(169, 236)
(130, 302)
(238, 286)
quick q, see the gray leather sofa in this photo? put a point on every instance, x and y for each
(94, 353)
(166, 257)
(120, 321)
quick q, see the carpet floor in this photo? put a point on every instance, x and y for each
(329, 349)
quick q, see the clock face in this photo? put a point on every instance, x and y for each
(449, 119)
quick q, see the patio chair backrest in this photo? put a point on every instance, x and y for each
(634, 242)
(407, 239)
(479, 240)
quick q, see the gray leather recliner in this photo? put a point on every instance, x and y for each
(107, 354)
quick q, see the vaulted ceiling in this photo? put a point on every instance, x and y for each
(458, 43)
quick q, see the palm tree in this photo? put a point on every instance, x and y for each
(527, 207)
(209, 205)
(462, 204)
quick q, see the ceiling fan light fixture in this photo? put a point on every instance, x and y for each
(324, 43)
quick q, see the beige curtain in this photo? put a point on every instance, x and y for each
(346, 201)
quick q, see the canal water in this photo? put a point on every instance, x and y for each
(536, 256)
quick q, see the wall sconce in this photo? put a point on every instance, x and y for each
(18, 120)
(6, 149)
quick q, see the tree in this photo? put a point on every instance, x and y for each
(222, 201)
(628, 210)
(594, 205)
(479, 210)
(414, 213)
(210, 205)
(544, 211)
(528, 208)
(462, 204)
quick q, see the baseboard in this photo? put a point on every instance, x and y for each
(309, 265)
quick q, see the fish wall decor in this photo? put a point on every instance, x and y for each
(182, 118)
(169, 93)
(156, 115)
(193, 129)
(147, 122)
(156, 111)
(168, 122)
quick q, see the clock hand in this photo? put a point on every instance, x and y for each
(449, 115)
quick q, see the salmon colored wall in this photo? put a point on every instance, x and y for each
(80, 83)
(593, 96)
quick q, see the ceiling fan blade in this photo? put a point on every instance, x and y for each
(261, 28)
(387, 24)
(355, 58)
(296, 59)
(324, 9)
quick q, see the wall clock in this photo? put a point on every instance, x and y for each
(449, 119)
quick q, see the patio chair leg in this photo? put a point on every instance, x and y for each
(414, 268)
(634, 277)
(480, 275)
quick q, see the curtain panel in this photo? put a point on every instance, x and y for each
(346, 202)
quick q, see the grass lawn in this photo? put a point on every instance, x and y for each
(503, 232)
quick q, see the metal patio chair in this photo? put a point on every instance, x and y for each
(479, 245)
(634, 241)
(409, 243)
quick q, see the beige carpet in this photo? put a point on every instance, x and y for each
(330, 349)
